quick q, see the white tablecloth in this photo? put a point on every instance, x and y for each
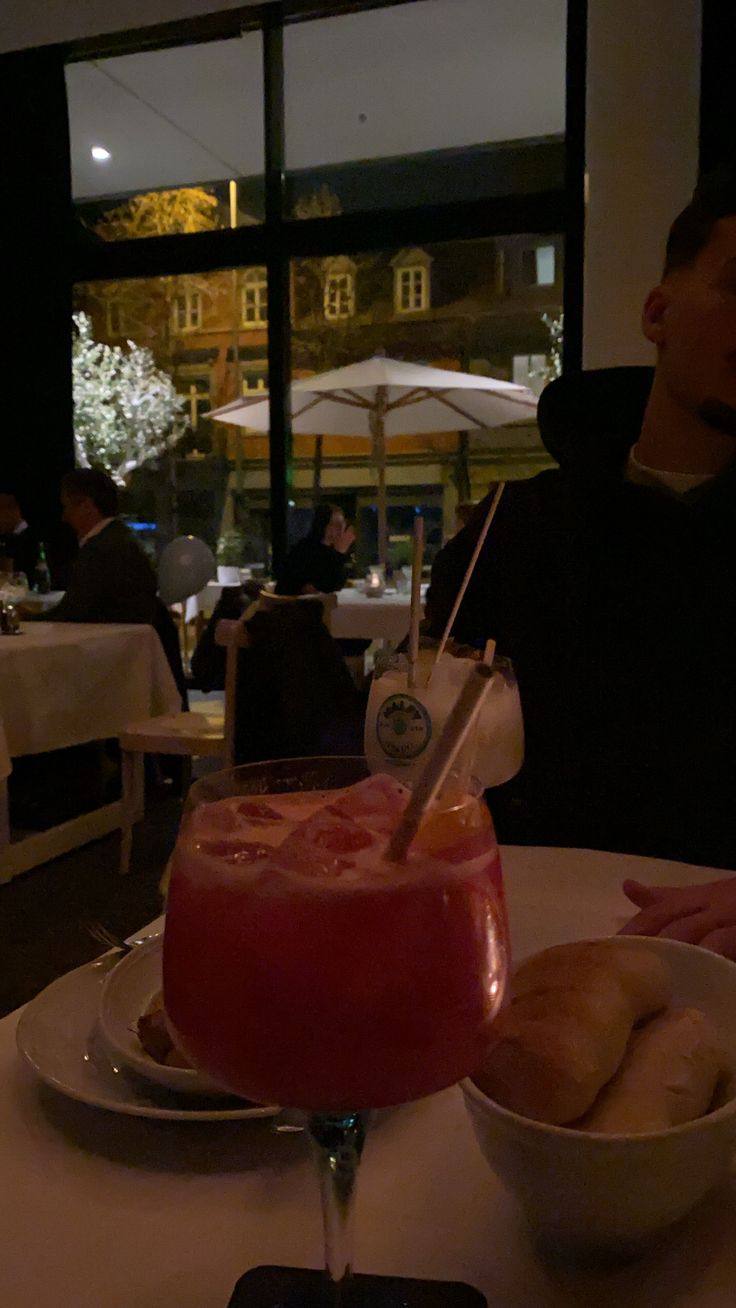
(101, 1211)
(357, 617)
(64, 683)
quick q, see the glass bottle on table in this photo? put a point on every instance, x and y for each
(42, 575)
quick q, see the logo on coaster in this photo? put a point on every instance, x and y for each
(403, 727)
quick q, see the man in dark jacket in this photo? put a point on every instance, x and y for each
(610, 582)
(111, 579)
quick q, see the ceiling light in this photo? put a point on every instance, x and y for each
(100, 154)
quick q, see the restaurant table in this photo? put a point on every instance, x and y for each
(103, 1211)
(67, 683)
(356, 617)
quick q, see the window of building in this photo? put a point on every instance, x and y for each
(251, 382)
(538, 266)
(412, 289)
(114, 318)
(339, 289)
(411, 281)
(187, 310)
(255, 298)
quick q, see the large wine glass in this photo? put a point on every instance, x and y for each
(302, 968)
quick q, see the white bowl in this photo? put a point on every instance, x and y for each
(126, 993)
(586, 1195)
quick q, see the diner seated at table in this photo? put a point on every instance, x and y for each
(609, 580)
(111, 579)
(18, 542)
(318, 563)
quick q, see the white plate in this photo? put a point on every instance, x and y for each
(126, 993)
(57, 1036)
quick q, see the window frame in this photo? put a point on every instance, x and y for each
(255, 281)
(338, 294)
(280, 239)
(193, 315)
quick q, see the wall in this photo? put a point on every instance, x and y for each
(642, 154)
(42, 22)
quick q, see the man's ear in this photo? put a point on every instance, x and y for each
(654, 314)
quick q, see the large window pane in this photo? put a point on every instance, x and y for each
(158, 138)
(470, 305)
(438, 99)
(207, 338)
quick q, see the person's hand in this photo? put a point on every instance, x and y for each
(343, 542)
(701, 915)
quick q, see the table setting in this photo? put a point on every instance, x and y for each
(306, 901)
(507, 1101)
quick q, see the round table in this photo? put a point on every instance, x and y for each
(106, 1212)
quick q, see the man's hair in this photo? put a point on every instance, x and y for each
(92, 484)
(714, 198)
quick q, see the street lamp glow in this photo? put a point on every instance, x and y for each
(100, 154)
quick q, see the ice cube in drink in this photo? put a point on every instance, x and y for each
(312, 972)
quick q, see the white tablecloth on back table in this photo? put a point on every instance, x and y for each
(65, 683)
(357, 616)
(100, 1211)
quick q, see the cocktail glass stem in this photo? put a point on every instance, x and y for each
(338, 1140)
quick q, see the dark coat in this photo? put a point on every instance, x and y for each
(293, 685)
(311, 563)
(617, 604)
(111, 580)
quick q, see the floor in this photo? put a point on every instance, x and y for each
(45, 915)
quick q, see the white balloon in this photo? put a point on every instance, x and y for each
(185, 567)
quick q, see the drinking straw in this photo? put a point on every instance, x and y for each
(468, 574)
(416, 606)
(489, 652)
(435, 771)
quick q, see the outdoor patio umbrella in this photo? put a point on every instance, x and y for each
(381, 398)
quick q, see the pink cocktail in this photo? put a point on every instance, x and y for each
(301, 967)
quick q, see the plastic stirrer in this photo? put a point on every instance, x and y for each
(416, 599)
(468, 574)
(434, 774)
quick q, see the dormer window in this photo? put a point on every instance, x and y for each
(411, 281)
(339, 289)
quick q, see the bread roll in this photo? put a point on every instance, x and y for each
(565, 1032)
(667, 1077)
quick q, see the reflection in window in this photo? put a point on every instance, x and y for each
(187, 310)
(338, 292)
(530, 370)
(538, 266)
(255, 298)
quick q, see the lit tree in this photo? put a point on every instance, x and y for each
(555, 324)
(126, 410)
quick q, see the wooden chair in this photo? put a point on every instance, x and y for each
(209, 733)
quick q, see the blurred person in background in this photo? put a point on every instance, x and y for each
(18, 543)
